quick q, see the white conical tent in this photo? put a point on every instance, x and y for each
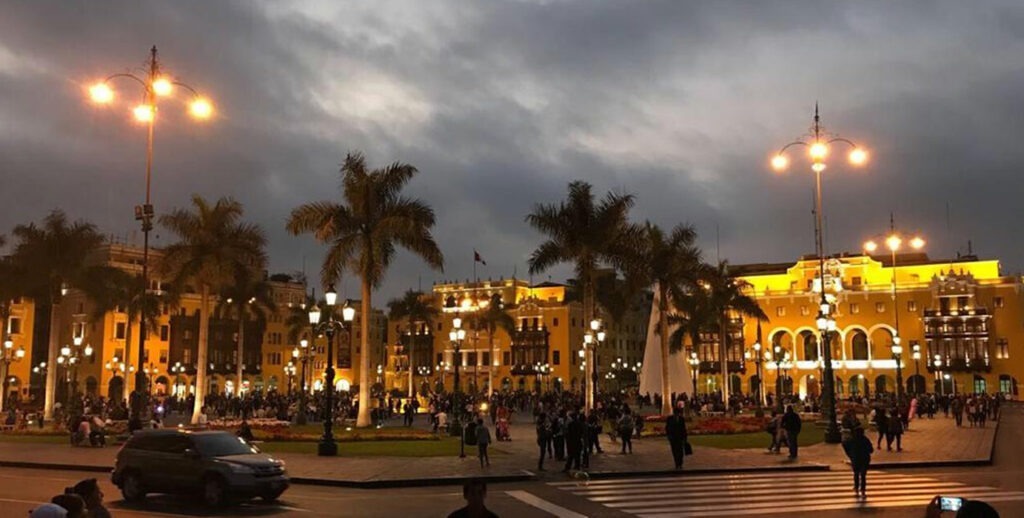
(679, 380)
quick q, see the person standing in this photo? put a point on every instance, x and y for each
(894, 431)
(773, 430)
(483, 439)
(558, 425)
(858, 449)
(791, 423)
(675, 431)
(574, 431)
(625, 429)
(958, 411)
(882, 425)
(474, 491)
(543, 438)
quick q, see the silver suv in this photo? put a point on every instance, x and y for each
(216, 465)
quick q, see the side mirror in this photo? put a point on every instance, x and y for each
(191, 454)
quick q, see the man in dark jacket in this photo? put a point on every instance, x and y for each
(675, 431)
(791, 423)
(543, 438)
(574, 441)
(858, 449)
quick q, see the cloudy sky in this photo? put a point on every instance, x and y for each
(501, 103)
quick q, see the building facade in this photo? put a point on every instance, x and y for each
(959, 323)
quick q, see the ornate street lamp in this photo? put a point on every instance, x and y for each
(754, 354)
(70, 357)
(327, 447)
(155, 85)
(177, 369)
(457, 335)
(303, 354)
(937, 363)
(289, 371)
(8, 356)
(694, 371)
(818, 143)
(117, 368)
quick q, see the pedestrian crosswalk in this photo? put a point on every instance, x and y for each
(771, 493)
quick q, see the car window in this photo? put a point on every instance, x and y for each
(222, 444)
(143, 442)
(176, 444)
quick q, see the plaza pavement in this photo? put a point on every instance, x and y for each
(935, 442)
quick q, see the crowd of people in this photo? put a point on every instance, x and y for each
(83, 500)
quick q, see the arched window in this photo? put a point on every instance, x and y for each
(810, 343)
(860, 345)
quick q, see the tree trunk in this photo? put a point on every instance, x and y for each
(666, 387)
(363, 418)
(490, 366)
(51, 364)
(241, 349)
(128, 379)
(204, 336)
(412, 344)
(590, 356)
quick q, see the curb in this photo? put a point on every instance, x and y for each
(61, 467)
(409, 482)
(706, 471)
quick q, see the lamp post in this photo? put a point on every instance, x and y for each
(754, 355)
(586, 357)
(118, 368)
(443, 367)
(155, 85)
(937, 363)
(597, 327)
(177, 369)
(778, 356)
(289, 371)
(303, 354)
(694, 371)
(786, 365)
(457, 335)
(327, 447)
(818, 142)
(8, 356)
(916, 354)
(70, 357)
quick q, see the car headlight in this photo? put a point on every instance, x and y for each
(240, 468)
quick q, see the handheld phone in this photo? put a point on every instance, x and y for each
(950, 503)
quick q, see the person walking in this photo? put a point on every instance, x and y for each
(894, 431)
(858, 449)
(483, 439)
(791, 423)
(574, 431)
(543, 438)
(773, 430)
(882, 425)
(625, 429)
(675, 431)
(558, 425)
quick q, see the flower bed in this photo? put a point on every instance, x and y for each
(710, 425)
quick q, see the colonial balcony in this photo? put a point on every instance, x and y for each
(715, 367)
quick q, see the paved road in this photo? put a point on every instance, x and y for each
(897, 493)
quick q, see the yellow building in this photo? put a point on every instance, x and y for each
(542, 351)
(960, 317)
(18, 329)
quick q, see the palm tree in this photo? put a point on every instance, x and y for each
(492, 318)
(362, 233)
(728, 295)
(415, 308)
(247, 296)
(586, 233)
(54, 258)
(114, 289)
(671, 263)
(213, 246)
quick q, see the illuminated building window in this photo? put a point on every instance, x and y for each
(997, 302)
(119, 331)
(912, 306)
(1002, 349)
(14, 326)
(780, 311)
(879, 307)
(854, 308)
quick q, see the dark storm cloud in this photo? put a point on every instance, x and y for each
(500, 104)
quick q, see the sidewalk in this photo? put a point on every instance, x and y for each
(928, 442)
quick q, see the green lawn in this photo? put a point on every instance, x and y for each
(808, 436)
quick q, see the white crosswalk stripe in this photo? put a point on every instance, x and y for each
(771, 493)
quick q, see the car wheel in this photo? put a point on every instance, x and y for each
(214, 493)
(131, 487)
(271, 496)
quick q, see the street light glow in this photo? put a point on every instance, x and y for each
(870, 246)
(893, 242)
(818, 151)
(858, 156)
(101, 93)
(201, 108)
(143, 113)
(779, 162)
(162, 87)
(917, 243)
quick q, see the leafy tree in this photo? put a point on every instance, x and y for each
(249, 296)
(363, 232)
(416, 310)
(492, 318)
(671, 263)
(213, 247)
(54, 257)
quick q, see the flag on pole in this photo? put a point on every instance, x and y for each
(477, 258)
